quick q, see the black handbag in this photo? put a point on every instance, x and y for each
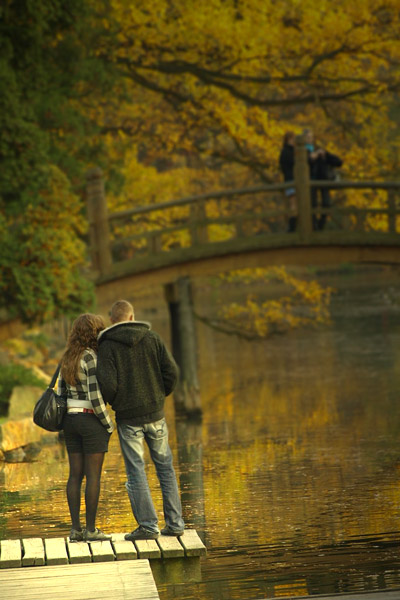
(50, 409)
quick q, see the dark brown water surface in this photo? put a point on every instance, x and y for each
(292, 477)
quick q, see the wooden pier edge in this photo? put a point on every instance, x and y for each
(95, 581)
(35, 552)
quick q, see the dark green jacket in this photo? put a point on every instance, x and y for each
(135, 372)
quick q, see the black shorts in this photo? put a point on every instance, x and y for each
(84, 434)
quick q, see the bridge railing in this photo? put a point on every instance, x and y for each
(360, 208)
(203, 219)
(368, 206)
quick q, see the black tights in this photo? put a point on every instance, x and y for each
(81, 465)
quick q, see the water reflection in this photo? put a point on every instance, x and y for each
(190, 460)
(292, 477)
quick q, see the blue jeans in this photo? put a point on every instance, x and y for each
(156, 435)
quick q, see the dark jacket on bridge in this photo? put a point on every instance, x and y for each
(322, 168)
(135, 372)
(286, 162)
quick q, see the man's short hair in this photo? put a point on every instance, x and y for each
(121, 311)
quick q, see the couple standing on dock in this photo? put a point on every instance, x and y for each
(127, 366)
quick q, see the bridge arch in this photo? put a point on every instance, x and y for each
(212, 261)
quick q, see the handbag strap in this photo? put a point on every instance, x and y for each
(54, 378)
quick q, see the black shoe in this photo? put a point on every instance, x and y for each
(76, 535)
(141, 534)
(172, 532)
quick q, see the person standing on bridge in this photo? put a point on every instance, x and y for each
(322, 165)
(136, 372)
(286, 164)
(87, 425)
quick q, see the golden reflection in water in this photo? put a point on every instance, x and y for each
(273, 460)
(298, 588)
(298, 450)
(289, 437)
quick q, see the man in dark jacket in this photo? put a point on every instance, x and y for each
(322, 164)
(135, 372)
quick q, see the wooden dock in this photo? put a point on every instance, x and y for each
(125, 580)
(37, 552)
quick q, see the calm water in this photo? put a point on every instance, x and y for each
(292, 478)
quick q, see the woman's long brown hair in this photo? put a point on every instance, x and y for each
(83, 334)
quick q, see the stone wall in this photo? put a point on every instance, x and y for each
(18, 429)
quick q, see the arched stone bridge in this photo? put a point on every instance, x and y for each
(231, 229)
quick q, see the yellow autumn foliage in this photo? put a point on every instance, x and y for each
(206, 90)
(223, 80)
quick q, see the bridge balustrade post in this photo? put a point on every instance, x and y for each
(154, 243)
(98, 221)
(198, 229)
(180, 303)
(303, 189)
(391, 199)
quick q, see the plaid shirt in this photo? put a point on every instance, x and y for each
(88, 388)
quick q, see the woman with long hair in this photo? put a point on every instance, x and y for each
(87, 424)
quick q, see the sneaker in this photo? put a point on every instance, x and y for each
(172, 532)
(75, 535)
(96, 536)
(141, 534)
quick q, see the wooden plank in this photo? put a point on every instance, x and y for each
(102, 551)
(56, 551)
(95, 581)
(79, 552)
(123, 549)
(33, 552)
(170, 547)
(10, 554)
(65, 571)
(192, 543)
(148, 549)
